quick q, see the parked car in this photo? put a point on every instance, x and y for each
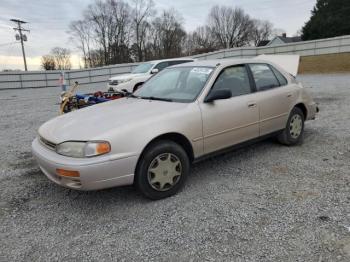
(183, 114)
(141, 73)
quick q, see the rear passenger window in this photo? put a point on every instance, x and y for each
(235, 79)
(283, 81)
(264, 77)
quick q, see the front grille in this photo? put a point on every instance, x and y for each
(113, 82)
(48, 144)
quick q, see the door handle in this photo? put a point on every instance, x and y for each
(251, 104)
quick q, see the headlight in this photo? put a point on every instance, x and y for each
(124, 80)
(83, 149)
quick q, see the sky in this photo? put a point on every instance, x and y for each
(48, 22)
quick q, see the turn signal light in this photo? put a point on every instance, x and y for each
(103, 148)
(67, 173)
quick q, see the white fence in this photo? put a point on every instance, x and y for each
(307, 48)
(99, 76)
(37, 79)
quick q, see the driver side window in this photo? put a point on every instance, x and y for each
(235, 79)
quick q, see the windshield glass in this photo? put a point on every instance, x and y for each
(179, 84)
(142, 68)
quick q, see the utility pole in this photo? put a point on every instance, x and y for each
(21, 37)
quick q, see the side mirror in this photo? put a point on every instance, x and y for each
(154, 71)
(218, 94)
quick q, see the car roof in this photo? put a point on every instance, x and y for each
(221, 62)
(172, 59)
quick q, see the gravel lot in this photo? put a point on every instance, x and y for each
(266, 202)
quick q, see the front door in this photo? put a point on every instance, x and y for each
(230, 121)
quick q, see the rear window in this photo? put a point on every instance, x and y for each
(281, 79)
(264, 78)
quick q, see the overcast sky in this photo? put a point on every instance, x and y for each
(49, 20)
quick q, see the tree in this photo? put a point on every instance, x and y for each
(48, 62)
(200, 41)
(168, 35)
(104, 30)
(329, 18)
(231, 27)
(262, 30)
(61, 57)
(142, 10)
(81, 31)
(112, 32)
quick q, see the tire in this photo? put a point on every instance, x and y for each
(137, 86)
(162, 170)
(294, 131)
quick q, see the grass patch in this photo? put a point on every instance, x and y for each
(319, 64)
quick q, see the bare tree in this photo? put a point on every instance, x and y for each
(81, 31)
(112, 31)
(142, 10)
(48, 62)
(110, 23)
(262, 31)
(230, 26)
(62, 58)
(200, 41)
(168, 34)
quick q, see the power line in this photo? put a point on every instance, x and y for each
(21, 37)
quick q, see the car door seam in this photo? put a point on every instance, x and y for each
(231, 129)
(273, 117)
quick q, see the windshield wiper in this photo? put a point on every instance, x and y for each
(156, 98)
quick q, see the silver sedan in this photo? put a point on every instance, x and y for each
(183, 114)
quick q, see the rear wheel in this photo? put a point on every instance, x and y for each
(293, 133)
(162, 170)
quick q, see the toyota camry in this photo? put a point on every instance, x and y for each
(183, 114)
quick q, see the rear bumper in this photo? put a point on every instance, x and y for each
(94, 175)
(312, 110)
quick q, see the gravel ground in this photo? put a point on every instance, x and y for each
(266, 202)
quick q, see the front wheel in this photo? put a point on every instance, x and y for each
(293, 133)
(162, 170)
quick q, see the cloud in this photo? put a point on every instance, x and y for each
(33, 62)
(48, 20)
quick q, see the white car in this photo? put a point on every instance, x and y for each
(131, 82)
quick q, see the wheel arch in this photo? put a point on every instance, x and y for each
(177, 138)
(303, 108)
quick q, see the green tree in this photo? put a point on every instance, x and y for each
(329, 18)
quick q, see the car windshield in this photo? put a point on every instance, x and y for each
(142, 68)
(178, 84)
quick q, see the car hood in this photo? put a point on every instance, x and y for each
(93, 122)
(125, 76)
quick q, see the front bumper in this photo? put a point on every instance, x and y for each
(94, 174)
(122, 86)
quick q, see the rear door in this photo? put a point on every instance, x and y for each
(274, 97)
(230, 121)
